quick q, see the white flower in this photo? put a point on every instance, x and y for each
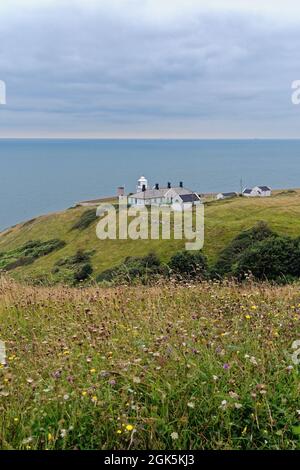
(223, 404)
(191, 404)
(215, 377)
(66, 397)
(63, 433)
(253, 360)
(238, 406)
(174, 436)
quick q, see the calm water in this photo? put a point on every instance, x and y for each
(39, 176)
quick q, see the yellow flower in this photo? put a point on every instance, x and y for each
(248, 317)
(92, 371)
(119, 431)
(129, 427)
(83, 393)
(94, 399)
(50, 437)
(66, 353)
(16, 420)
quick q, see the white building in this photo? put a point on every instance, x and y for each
(258, 191)
(178, 196)
(221, 196)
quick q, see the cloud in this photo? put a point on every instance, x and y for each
(153, 68)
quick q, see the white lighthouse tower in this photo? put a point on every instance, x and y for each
(142, 184)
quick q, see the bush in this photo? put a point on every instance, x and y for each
(230, 255)
(28, 253)
(74, 269)
(273, 259)
(133, 268)
(83, 272)
(189, 264)
(85, 220)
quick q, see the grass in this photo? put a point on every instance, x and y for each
(204, 366)
(223, 221)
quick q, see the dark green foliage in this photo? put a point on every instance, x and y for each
(74, 269)
(275, 258)
(246, 239)
(28, 253)
(85, 220)
(144, 269)
(83, 272)
(189, 264)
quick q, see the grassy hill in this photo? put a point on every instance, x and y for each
(223, 221)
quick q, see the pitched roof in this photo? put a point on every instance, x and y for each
(247, 191)
(189, 197)
(229, 194)
(154, 193)
(264, 188)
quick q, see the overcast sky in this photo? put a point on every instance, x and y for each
(150, 68)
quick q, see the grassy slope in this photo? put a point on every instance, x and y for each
(204, 367)
(223, 220)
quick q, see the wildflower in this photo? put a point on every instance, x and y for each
(66, 353)
(63, 433)
(226, 366)
(66, 397)
(233, 395)
(248, 317)
(94, 399)
(112, 382)
(129, 427)
(27, 440)
(83, 393)
(174, 436)
(215, 377)
(16, 420)
(50, 437)
(92, 371)
(119, 431)
(136, 380)
(253, 307)
(238, 406)
(223, 404)
(191, 404)
(253, 360)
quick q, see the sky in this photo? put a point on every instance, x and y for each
(149, 68)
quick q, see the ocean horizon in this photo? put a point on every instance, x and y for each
(39, 176)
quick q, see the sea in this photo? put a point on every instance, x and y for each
(38, 176)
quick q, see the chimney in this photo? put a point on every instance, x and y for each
(120, 191)
(169, 185)
(156, 186)
(144, 188)
(181, 184)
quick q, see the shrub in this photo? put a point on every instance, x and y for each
(83, 272)
(144, 269)
(189, 264)
(230, 255)
(273, 259)
(28, 253)
(85, 220)
(74, 269)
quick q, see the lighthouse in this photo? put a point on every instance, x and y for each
(142, 184)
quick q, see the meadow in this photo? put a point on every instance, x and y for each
(194, 366)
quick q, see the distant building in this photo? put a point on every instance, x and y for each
(179, 196)
(226, 195)
(258, 191)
